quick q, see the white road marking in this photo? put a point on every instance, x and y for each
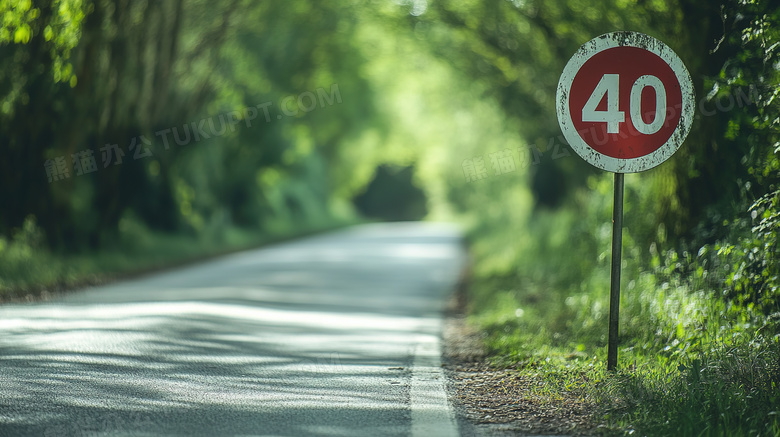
(432, 414)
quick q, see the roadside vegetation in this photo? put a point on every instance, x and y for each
(700, 308)
(29, 270)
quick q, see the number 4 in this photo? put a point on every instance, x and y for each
(609, 85)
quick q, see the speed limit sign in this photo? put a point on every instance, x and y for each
(625, 102)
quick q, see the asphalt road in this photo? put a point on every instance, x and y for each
(335, 335)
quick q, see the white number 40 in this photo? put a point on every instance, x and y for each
(610, 85)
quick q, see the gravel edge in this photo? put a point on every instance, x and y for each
(494, 401)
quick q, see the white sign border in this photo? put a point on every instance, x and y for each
(624, 39)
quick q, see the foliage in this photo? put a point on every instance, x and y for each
(700, 321)
(141, 76)
(28, 269)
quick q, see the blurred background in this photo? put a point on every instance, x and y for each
(136, 134)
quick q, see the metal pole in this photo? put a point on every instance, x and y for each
(614, 287)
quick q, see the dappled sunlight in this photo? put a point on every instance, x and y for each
(307, 343)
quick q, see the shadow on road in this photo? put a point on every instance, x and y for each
(313, 337)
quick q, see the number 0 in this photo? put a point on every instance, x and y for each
(636, 104)
(610, 85)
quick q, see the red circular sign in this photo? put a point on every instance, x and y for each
(625, 102)
(629, 63)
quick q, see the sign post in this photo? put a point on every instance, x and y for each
(614, 277)
(625, 104)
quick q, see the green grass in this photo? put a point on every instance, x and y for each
(728, 387)
(29, 271)
(700, 329)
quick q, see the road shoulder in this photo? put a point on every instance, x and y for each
(494, 401)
